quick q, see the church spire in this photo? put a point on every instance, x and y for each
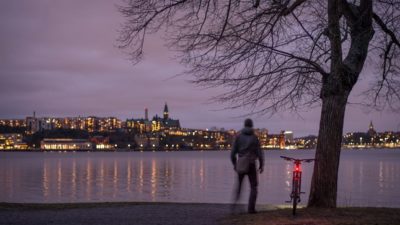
(371, 130)
(166, 116)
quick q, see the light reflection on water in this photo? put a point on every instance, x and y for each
(367, 178)
(371, 180)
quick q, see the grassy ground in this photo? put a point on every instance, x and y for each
(342, 216)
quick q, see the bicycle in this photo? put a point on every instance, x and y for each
(296, 181)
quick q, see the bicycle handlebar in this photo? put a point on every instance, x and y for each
(297, 160)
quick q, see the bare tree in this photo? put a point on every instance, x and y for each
(278, 55)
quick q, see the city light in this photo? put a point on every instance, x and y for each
(103, 133)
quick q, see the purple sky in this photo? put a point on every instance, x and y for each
(59, 59)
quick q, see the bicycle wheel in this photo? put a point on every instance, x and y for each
(295, 197)
(296, 193)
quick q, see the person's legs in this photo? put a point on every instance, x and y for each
(239, 187)
(236, 193)
(253, 188)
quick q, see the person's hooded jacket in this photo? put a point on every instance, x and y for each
(247, 143)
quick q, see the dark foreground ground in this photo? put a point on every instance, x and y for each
(339, 216)
(191, 214)
(113, 213)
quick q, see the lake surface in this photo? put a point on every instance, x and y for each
(367, 177)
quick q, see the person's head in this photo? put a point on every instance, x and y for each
(248, 123)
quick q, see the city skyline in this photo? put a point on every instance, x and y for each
(157, 116)
(59, 59)
(157, 133)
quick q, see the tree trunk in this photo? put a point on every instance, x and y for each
(324, 181)
(335, 90)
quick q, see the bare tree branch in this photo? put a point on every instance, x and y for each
(291, 8)
(241, 43)
(383, 26)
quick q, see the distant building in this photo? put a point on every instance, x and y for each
(100, 142)
(307, 142)
(65, 144)
(90, 124)
(148, 141)
(12, 142)
(289, 140)
(138, 125)
(166, 113)
(74, 123)
(371, 131)
(371, 139)
(197, 139)
(262, 135)
(276, 140)
(109, 124)
(167, 122)
(35, 124)
(157, 123)
(288, 135)
(13, 122)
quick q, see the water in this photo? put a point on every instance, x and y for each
(367, 177)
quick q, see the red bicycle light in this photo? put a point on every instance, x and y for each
(297, 168)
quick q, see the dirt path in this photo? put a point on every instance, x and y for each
(126, 213)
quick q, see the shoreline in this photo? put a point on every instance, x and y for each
(80, 205)
(138, 203)
(184, 150)
(176, 213)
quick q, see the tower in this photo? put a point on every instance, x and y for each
(371, 131)
(166, 112)
(146, 114)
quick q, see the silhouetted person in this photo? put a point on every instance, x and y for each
(246, 150)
